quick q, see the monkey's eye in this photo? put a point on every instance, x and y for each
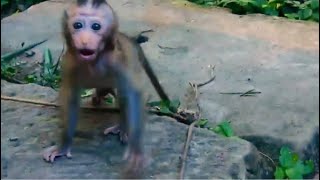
(96, 26)
(77, 25)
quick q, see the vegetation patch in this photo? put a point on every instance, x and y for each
(292, 9)
(291, 167)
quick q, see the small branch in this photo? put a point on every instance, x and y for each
(164, 47)
(185, 150)
(176, 116)
(145, 31)
(211, 75)
(247, 93)
(8, 98)
(268, 158)
(207, 82)
(43, 103)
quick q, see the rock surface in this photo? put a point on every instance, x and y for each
(27, 129)
(275, 56)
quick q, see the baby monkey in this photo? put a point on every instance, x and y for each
(99, 56)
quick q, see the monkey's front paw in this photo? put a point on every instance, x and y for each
(52, 152)
(117, 130)
(136, 161)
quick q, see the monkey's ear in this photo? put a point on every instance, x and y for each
(65, 28)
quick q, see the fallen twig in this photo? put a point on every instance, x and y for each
(176, 116)
(268, 158)
(37, 102)
(145, 31)
(164, 47)
(207, 82)
(185, 150)
(212, 77)
(247, 93)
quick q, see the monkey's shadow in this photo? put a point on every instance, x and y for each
(89, 137)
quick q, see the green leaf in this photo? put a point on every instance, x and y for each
(174, 105)
(4, 2)
(292, 15)
(271, 11)
(109, 100)
(209, 3)
(293, 3)
(314, 4)
(295, 157)
(87, 93)
(279, 173)
(315, 16)
(31, 78)
(154, 103)
(11, 55)
(286, 158)
(11, 70)
(227, 129)
(308, 167)
(202, 122)
(165, 110)
(296, 171)
(305, 13)
(217, 130)
(48, 63)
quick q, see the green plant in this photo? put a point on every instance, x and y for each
(292, 9)
(291, 167)
(50, 75)
(165, 107)
(4, 2)
(224, 128)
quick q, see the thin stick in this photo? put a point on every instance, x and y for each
(207, 82)
(37, 102)
(109, 109)
(251, 93)
(211, 79)
(247, 93)
(268, 158)
(145, 31)
(176, 116)
(185, 150)
(165, 47)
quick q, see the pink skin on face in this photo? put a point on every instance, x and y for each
(87, 40)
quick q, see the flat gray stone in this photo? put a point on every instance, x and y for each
(28, 129)
(276, 56)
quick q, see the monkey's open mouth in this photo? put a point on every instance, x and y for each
(87, 54)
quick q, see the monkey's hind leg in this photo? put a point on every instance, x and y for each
(100, 94)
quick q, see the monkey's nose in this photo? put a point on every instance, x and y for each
(84, 43)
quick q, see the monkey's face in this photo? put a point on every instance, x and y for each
(89, 28)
